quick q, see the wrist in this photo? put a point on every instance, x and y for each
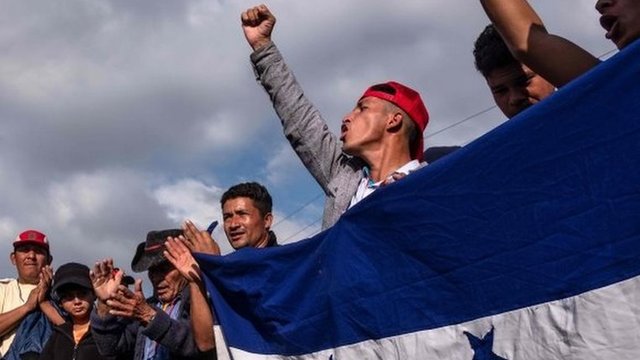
(148, 316)
(260, 43)
(29, 307)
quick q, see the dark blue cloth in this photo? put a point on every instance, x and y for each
(544, 207)
(31, 336)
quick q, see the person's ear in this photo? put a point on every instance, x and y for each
(395, 122)
(12, 256)
(268, 220)
(49, 259)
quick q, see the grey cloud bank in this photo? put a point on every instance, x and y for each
(118, 117)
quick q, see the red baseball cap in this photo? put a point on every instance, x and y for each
(32, 237)
(409, 101)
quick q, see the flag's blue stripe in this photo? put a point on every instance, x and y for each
(546, 206)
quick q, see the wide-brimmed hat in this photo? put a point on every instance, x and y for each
(149, 253)
(71, 274)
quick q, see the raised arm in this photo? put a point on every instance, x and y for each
(201, 317)
(554, 58)
(303, 126)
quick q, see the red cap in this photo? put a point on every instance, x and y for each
(409, 101)
(33, 237)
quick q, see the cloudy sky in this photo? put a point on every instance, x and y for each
(118, 117)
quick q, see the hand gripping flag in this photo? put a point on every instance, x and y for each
(525, 244)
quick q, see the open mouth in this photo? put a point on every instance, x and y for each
(343, 131)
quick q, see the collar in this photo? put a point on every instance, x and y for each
(404, 169)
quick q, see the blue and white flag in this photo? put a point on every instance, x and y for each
(525, 244)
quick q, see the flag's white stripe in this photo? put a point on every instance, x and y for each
(599, 324)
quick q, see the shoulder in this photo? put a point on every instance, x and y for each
(6, 284)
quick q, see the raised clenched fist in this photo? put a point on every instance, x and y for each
(257, 24)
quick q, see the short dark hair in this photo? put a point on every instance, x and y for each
(252, 190)
(491, 52)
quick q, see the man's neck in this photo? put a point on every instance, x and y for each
(264, 242)
(385, 164)
(23, 281)
(384, 158)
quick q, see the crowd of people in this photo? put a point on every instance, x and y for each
(99, 313)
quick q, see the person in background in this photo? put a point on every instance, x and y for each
(553, 57)
(73, 339)
(513, 85)
(157, 328)
(25, 299)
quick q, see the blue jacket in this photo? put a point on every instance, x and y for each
(32, 334)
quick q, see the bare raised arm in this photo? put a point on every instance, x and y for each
(553, 57)
(201, 317)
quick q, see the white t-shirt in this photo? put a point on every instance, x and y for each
(12, 295)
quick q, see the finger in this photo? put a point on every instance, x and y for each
(187, 242)
(182, 247)
(117, 275)
(171, 253)
(177, 246)
(104, 267)
(46, 274)
(244, 17)
(191, 228)
(95, 272)
(137, 287)
(122, 293)
(121, 313)
(255, 16)
(172, 259)
(264, 11)
(119, 305)
(107, 265)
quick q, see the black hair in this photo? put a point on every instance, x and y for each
(491, 52)
(252, 190)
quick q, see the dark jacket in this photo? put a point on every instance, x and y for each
(116, 336)
(61, 346)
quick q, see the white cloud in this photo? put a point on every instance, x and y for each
(190, 199)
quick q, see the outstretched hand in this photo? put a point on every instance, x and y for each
(105, 279)
(198, 240)
(257, 24)
(179, 255)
